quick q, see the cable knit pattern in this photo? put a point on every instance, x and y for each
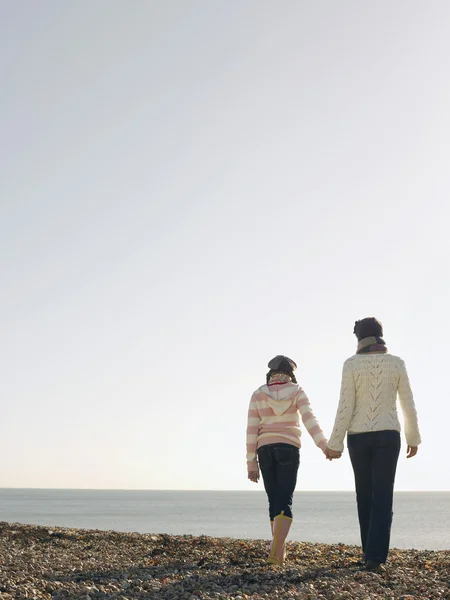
(368, 399)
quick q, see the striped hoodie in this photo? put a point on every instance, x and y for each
(273, 417)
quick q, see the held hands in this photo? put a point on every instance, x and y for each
(331, 454)
(254, 476)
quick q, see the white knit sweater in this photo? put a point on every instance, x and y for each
(368, 401)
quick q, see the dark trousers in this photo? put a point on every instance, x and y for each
(279, 465)
(374, 457)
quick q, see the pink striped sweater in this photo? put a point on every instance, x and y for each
(273, 417)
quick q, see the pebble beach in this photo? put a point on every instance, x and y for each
(60, 563)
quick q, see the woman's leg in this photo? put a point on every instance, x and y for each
(360, 451)
(385, 458)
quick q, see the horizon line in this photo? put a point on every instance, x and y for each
(89, 489)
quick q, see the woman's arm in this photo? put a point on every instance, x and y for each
(252, 435)
(310, 421)
(345, 410)
(408, 407)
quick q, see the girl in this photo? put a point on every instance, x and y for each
(273, 440)
(367, 412)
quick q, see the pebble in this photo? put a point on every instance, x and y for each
(71, 564)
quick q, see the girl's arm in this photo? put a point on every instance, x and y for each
(345, 410)
(310, 421)
(252, 435)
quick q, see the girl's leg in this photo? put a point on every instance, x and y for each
(286, 458)
(267, 466)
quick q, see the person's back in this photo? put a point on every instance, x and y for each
(371, 381)
(370, 385)
(276, 410)
(273, 441)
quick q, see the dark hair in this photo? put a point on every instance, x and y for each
(272, 372)
(368, 327)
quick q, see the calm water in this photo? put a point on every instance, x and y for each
(421, 519)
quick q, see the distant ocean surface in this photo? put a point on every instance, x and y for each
(421, 519)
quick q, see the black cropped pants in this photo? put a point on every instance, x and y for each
(279, 465)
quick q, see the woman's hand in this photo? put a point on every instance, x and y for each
(253, 476)
(411, 451)
(330, 454)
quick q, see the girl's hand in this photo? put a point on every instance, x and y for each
(253, 476)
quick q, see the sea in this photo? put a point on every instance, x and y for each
(421, 519)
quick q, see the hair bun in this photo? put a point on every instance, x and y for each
(368, 327)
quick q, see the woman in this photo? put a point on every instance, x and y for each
(273, 439)
(367, 412)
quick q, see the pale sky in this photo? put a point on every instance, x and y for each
(189, 188)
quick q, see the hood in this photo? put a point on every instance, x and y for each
(280, 397)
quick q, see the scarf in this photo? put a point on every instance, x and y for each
(371, 345)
